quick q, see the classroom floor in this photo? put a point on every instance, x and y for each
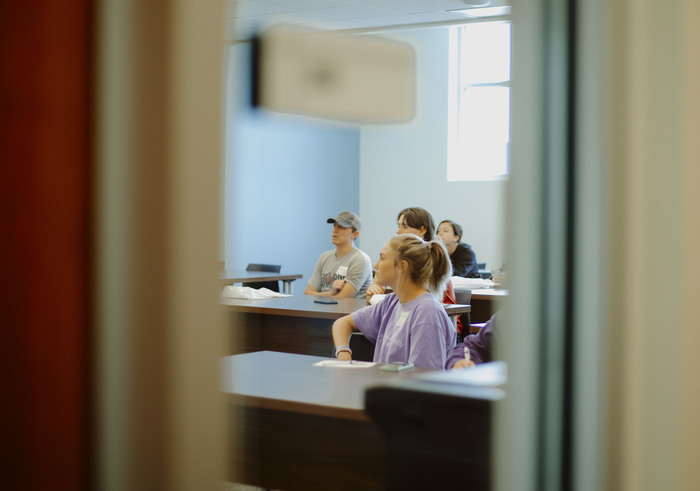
(232, 486)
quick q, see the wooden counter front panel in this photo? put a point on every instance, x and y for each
(262, 332)
(286, 450)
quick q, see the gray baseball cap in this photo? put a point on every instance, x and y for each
(346, 219)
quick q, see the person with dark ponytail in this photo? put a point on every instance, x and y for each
(409, 325)
(462, 255)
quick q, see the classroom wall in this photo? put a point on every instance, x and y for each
(406, 165)
(313, 169)
(284, 176)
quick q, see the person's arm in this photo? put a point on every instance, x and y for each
(373, 289)
(341, 288)
(480, 347)
(455, 355)
(346, 290)
(358, 271)
(499, 279)
(312, 287)
(342, 328)
(310, 290)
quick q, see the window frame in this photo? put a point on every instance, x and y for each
(455, 171)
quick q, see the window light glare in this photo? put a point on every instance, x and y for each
(483, 12)
(479, 105)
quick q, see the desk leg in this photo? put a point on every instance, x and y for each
(288, 287)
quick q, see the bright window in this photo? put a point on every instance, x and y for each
(479, 139)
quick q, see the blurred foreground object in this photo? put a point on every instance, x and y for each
(356, 78)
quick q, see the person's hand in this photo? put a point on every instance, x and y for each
(462, 364)
(373, 289)
(337, 286)
(499, 278)
(344, 356)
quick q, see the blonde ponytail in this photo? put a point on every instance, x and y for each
(429, 263)
(441, 268)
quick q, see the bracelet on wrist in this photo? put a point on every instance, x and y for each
(340, 349)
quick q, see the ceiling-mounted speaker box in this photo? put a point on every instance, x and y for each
(355, 78)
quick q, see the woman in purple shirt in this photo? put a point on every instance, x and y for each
(409, 325)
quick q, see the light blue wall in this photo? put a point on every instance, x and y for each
(406, 165)
(284, 176)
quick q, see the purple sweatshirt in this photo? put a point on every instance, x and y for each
(479, 344)
(418, 332)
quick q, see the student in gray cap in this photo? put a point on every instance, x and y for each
(346, 270)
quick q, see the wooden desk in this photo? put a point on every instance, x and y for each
(230, 277)
(303, 427)
(292, 324)
(296, 306)
(489, 294)
(485, 302)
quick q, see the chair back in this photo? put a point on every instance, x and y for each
(267, 268)
(463, 297)
(362, 348)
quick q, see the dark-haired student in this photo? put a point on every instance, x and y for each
(462, 255)
(409, 325)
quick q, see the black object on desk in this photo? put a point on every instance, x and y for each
(326, 301)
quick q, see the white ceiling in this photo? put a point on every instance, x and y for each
(250, 16)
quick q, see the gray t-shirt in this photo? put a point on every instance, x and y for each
(354, 267)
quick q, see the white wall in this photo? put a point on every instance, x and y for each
(406, 165)
(285, 175)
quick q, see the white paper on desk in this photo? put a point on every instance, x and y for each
(377, 297)
(344, 364)
(460, 283)
(491, 374)
(250, 293)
